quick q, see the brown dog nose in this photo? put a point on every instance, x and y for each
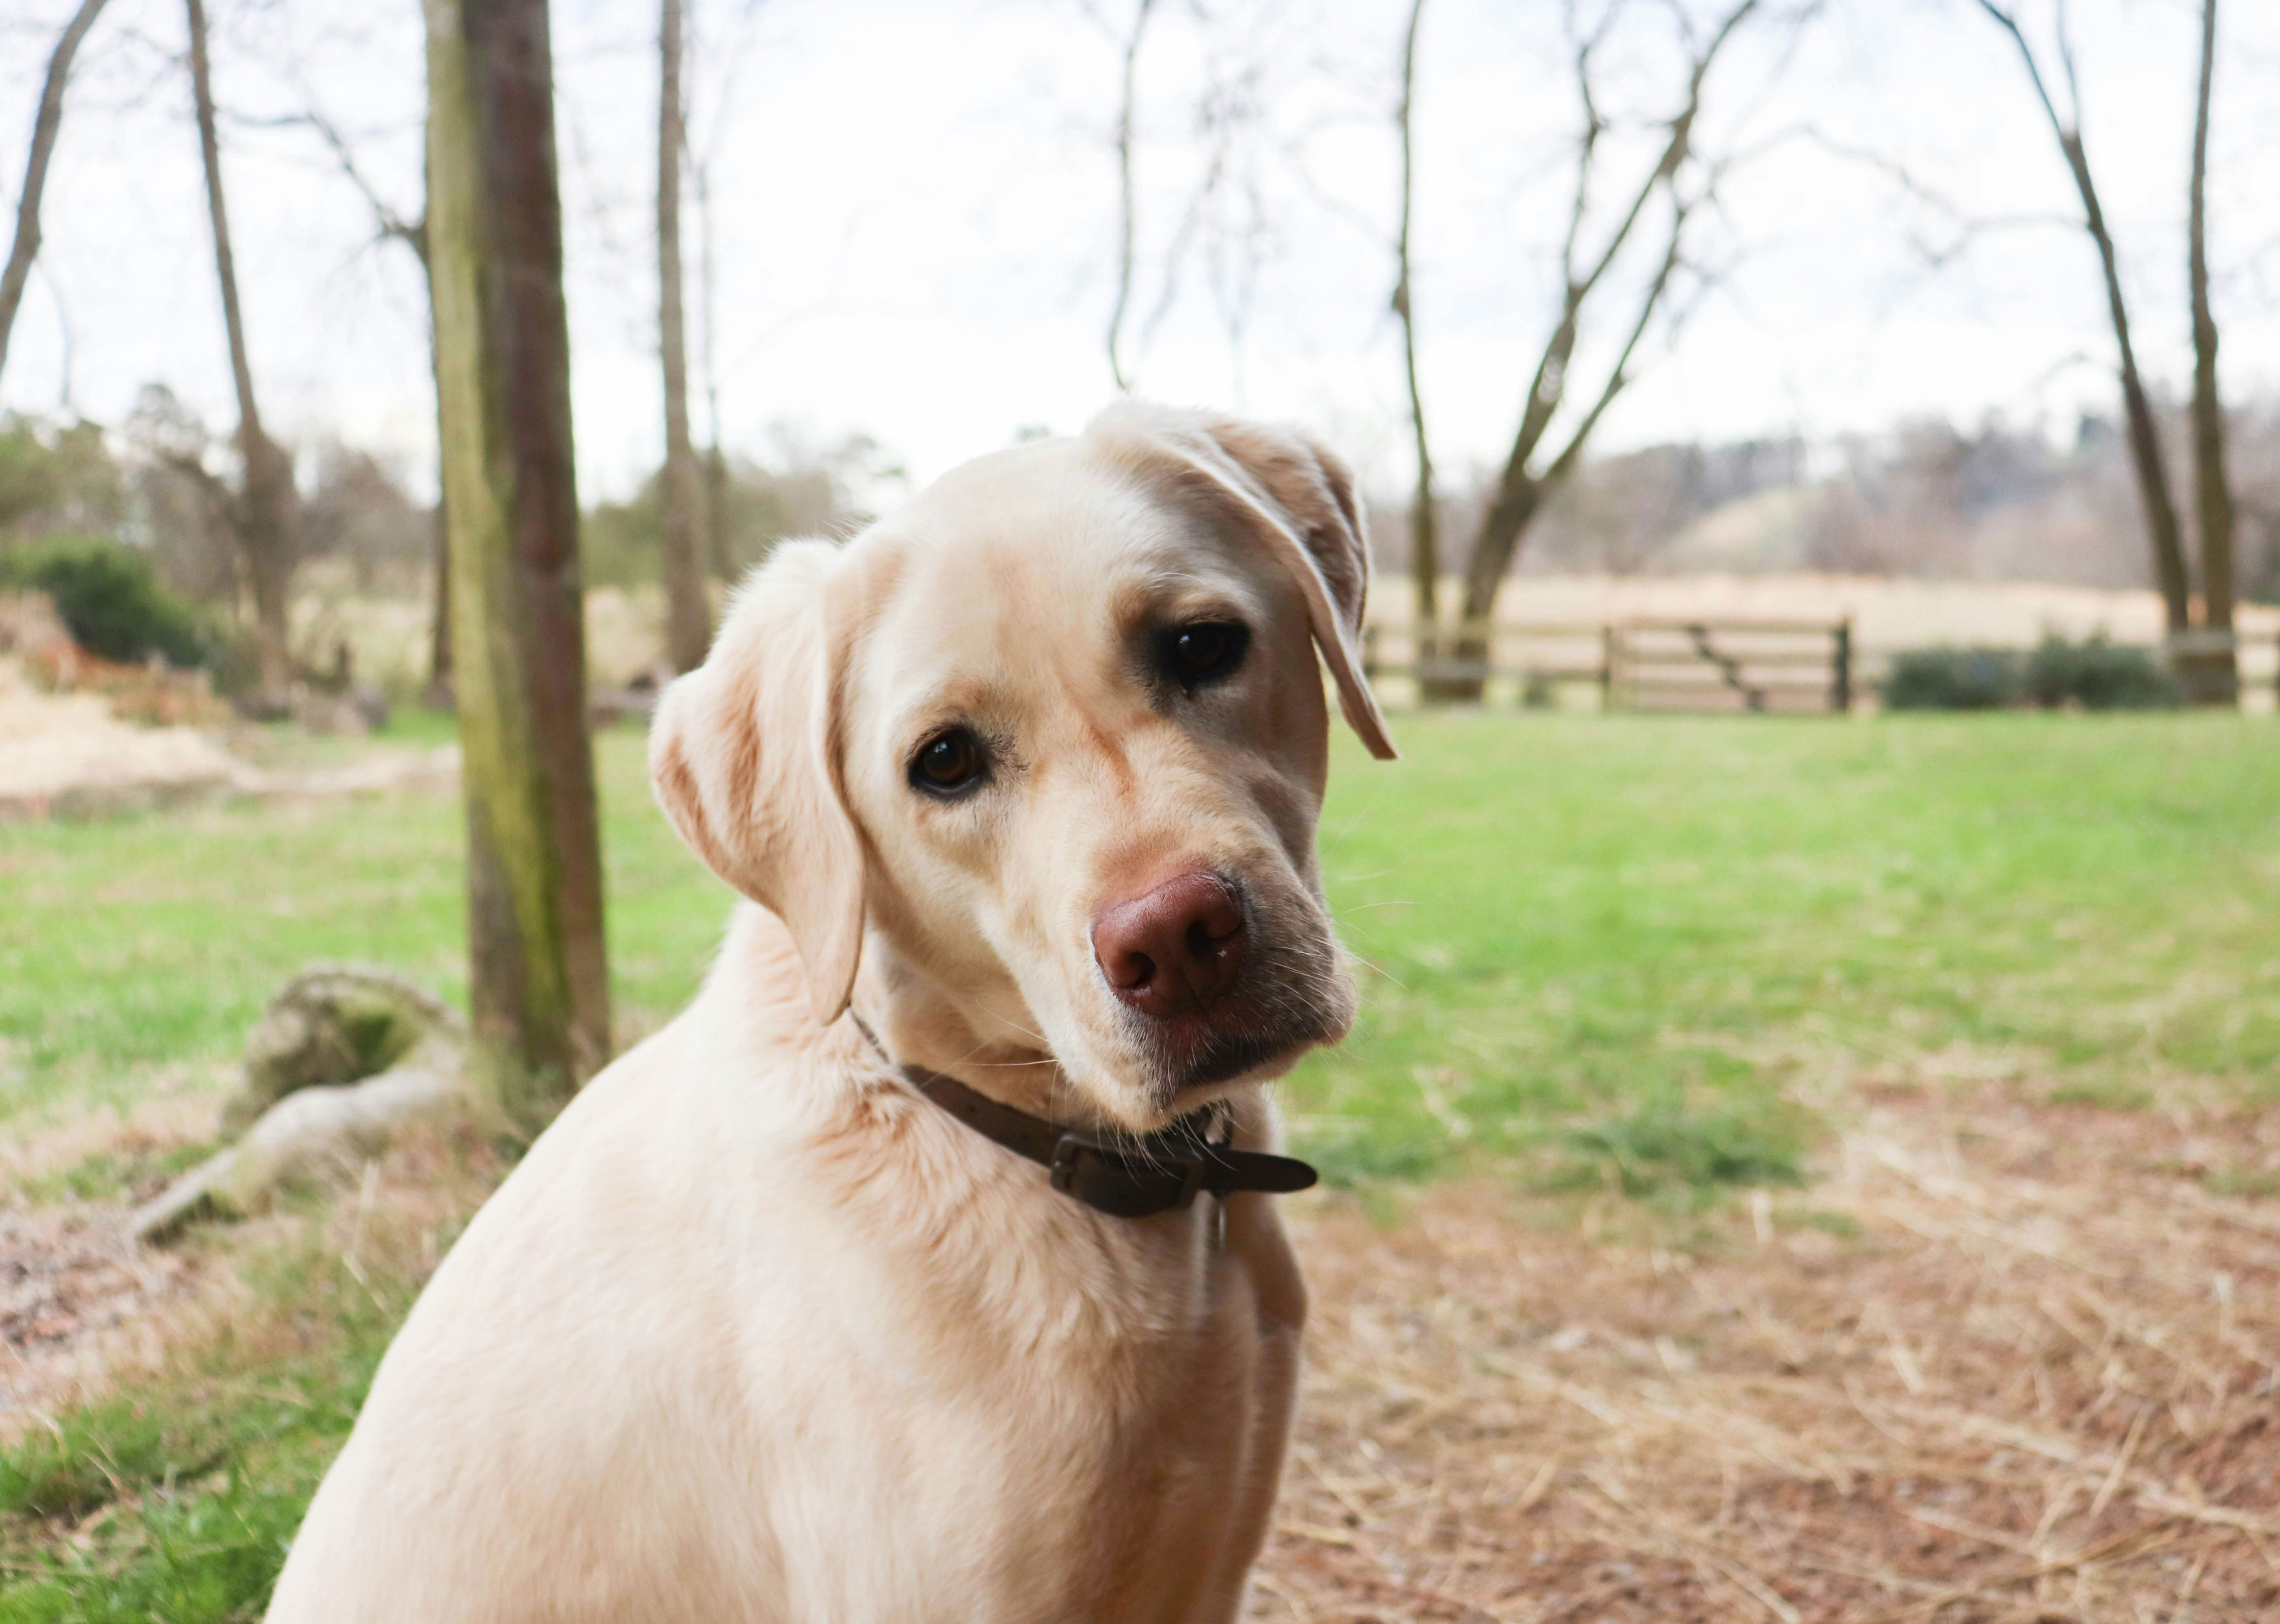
(1170, 950)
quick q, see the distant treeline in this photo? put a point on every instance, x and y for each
(157, 486)
(1926, 499)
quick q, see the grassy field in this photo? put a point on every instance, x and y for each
(1651, 955)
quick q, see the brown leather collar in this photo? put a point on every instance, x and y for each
(1126, 1177)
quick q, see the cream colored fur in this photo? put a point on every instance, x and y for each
(754, 1332)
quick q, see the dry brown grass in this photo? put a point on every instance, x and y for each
(2003, 1363)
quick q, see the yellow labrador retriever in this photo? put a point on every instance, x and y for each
(783, 1318)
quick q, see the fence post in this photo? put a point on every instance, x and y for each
(1840, 692)
(1607, 667)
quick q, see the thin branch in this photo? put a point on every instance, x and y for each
(392, 226)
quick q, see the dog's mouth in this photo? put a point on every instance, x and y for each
(1261, 1024)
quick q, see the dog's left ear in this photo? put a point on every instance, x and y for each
(1296, 497)
(744, 757)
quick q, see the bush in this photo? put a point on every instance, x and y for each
(111, 601)
(2098, 675)
(1953, 679)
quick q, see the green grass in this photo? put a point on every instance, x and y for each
(176, 1501)
(1647, 941)
(1628, 953)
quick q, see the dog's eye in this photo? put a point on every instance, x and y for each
(950, 763)
(1193, 656)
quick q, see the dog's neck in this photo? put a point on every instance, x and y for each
(919, 1023)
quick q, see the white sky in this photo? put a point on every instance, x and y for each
(915, 202)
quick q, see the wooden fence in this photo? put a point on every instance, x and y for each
(1638, 664)
(1734, 664)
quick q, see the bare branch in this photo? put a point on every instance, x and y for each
(45, 124)
(1126, 218)
(1548, 388)
(1619, 375)
(390, 225)
(1424, 543)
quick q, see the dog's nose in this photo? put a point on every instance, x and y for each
(1171, 949)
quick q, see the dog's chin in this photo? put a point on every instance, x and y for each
(1185, 1063)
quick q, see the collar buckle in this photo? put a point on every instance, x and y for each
(1123, 1186)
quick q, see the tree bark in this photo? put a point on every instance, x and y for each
(538, 988)
(45, 124)
(1424, 534)
(265, 516)
(687, 612)
(2212, 676)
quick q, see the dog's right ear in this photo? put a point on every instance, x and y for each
(744, 757)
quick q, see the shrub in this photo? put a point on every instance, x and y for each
(2098, 675)
(111, 599)
(1953, 679)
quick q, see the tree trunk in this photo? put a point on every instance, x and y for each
(266, 516)
(539, 992)
(1424, 534)
(2163, 533)
(1503, 528)
(437, 695)
(45, 123)
(2162, 530)
(688, 613)
(2211, 676)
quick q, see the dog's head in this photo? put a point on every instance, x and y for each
(1042, 754)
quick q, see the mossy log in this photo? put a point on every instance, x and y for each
(342, 1059)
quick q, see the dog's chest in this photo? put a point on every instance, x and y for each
(1045, 1434)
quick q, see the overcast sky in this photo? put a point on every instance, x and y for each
(913, 206)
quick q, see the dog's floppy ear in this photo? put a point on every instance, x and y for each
(743, 758)
(1296, 497)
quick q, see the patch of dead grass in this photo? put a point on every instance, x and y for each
(2003, 1363)
(84, 1310)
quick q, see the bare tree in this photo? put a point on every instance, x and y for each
(2213, 673)
(45, 124)
(688, 614)
(1532, 471)
(2162, 531)
(1128, 215)
(265, 516)
(538, 986)
(1424, 540)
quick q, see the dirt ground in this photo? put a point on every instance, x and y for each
(1998, 1363)
(71, 755)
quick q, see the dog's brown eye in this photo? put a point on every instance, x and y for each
(950, 763)
(1204, 652)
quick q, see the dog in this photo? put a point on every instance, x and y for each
(781, 1320)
